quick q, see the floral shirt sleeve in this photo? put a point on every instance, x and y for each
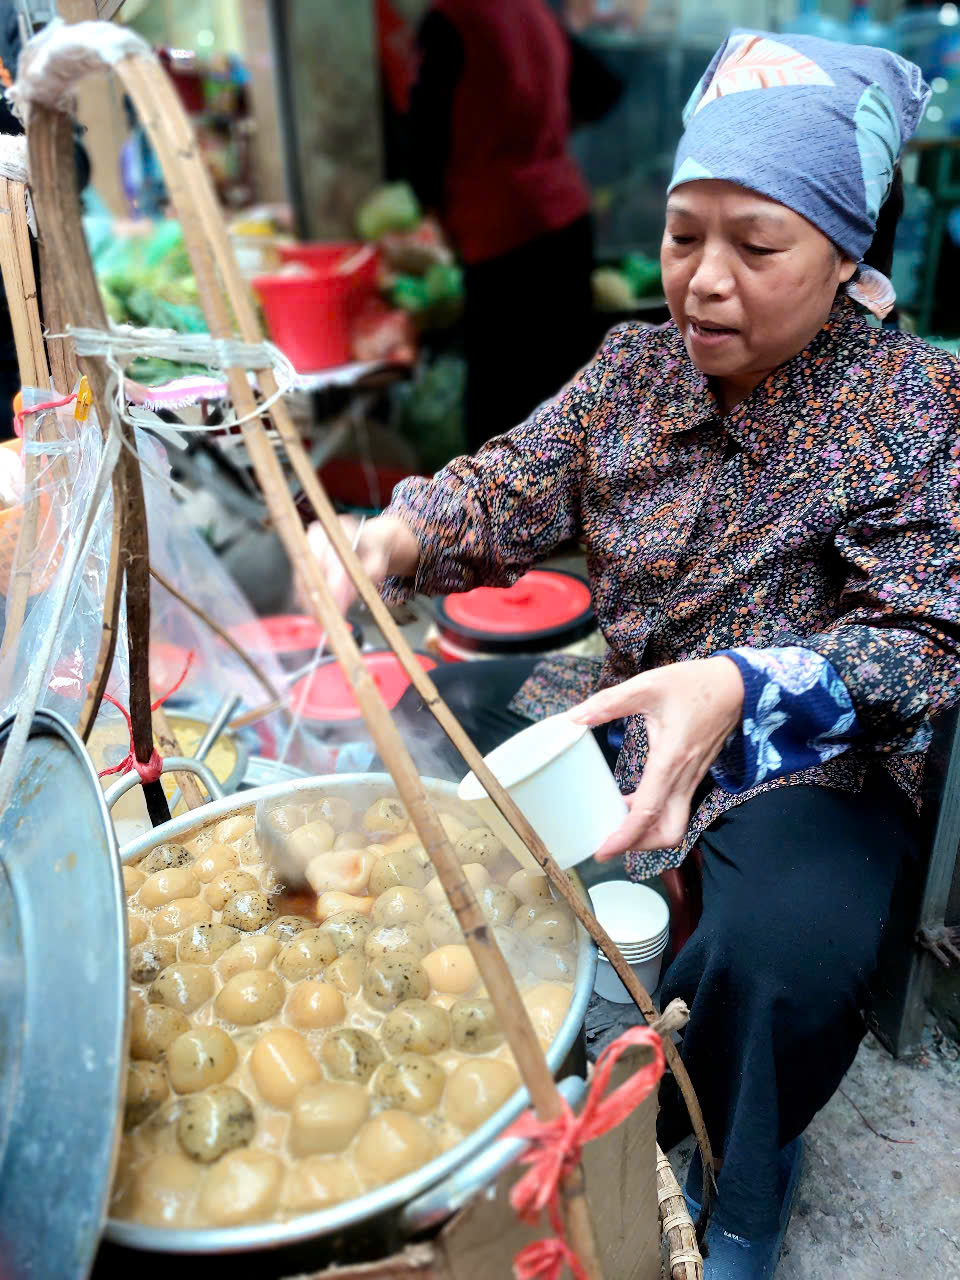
(485, 520)
(897, 643)
(797, 714)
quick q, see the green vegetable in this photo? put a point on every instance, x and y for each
(409, 293)
(392, 208)
(444, 283)
(436, 297)
(643, 273)
(429, 411)
(148, 281)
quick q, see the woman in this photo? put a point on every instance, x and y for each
(766, 488)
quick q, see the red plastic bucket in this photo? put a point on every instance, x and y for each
(310, 317)
(322, 259)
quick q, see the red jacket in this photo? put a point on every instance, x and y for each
(509, 177)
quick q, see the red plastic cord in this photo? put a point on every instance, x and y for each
(39, 408)
(557, 1146)
(151, 771)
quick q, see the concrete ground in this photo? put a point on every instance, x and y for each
(880, 1203)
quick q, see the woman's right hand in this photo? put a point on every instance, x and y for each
(386, 547)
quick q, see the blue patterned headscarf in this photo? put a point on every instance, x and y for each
(816, 125)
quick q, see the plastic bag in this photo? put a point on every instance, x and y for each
(63, 485)
(60, 476)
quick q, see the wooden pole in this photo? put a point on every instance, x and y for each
(20, 286)
(189, 187)
(63, 362)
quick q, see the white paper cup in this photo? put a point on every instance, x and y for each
(633, 914)
(608, 984)
(638, 950)
(556, 774)
(644, 953)
(638, 921)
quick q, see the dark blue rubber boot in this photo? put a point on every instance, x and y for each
(734, 1257)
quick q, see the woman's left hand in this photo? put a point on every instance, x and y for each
(689, 710)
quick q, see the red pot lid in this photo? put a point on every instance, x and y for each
(330, 697)
(544, 605)
(281, 633)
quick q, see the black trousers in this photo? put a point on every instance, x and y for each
(527, 327)
(797, 888)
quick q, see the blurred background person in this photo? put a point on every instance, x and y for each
(498, 90)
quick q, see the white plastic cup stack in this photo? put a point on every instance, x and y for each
(638, 921)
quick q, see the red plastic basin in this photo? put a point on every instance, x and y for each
(311, 317)
(324, 258)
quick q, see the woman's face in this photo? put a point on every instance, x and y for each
(748, 281)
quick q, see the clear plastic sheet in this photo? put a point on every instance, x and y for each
(60, 475)
(64, 471)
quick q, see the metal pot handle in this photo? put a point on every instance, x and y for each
(172, 764)
(450, 1195)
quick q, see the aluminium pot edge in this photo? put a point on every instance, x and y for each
(384, 1203)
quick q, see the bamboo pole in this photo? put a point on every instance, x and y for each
(164, 102)
(20, 285)
(193, 797)
(170, 134)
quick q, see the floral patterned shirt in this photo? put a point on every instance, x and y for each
(820, 513)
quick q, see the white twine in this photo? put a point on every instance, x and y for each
(39, 665)
(14, 167)
(59, 56)
(13, 158)
(124, 340)
(120, 344)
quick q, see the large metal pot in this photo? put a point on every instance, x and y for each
(370, 1225)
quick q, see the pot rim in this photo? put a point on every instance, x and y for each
(273, 1235)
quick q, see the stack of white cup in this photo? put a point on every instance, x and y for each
(638, 921)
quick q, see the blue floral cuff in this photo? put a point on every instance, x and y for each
(797, 713)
